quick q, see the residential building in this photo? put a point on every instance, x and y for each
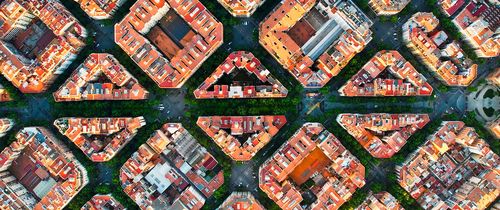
(103, 202)
(315, 156)
(37, 171)
(100, 9)
(494, 77)
(5, 125)
(241, 201)
(478, 22)
(38, 40)
(381, 134)
(241, 137)
(453, 169)
(171, 171)
(314, 39)
(445, 59)
(388, 7)
(169, 39)
(249, 79)
(100, 138)
(494, 128)
(4, 94)
(100, 77)
(241, 8)
(367, 82)
(380, 201)
(450, 7)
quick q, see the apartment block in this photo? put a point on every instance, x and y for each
(248, 78)
(169, 39)
(103, 202)
(478, 22)
(381, 134)
(443, 57)
(450, 7)
(453, 169)
(315, 156)
(370, 82)
(241, 8)
(100, 9)
(38, 40)
(380, 201)
(37, 171)
(100, 138)
(241, 137)
(314, 39)
(388, 7)
(241, 201)
(100, 77)
(5, 125)
(4, 94)
(171, 171)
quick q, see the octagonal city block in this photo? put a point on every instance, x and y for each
(314, 39)
(169, 39)
(39, 172)
(171, 171)
(38, 40)
(312, 158)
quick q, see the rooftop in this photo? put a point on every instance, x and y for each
(39, 172)
(103, 202)
(315, 154)
(171, 170)
(172, 65)
(100, 77)
(100, 9)
(379, 201)
(100, 138)
(4, 94)
(241, 8)
(388, 7)
(241, 201)
(382, 135)
(313, 39)
(5, 125)
(368, 82)
(239, 67)
(444, 58)
(34, 75)
(478, 22)
(241, 137)
(454, 168)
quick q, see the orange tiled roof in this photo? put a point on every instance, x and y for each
(453, 169)
(388, 7)
(447, 62)
(35, 75)
(80, 86)
(173, 168)
(285, 35)
(225, 131)
(100, 138)
(41, 157)
(241, 8)
(312, 153)
(379, 201)
(241, 201)
(102, 202)
(408, 82)
(236, 61)
(382, 135)
(169, 73)
(4, 94)
(100, 9)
